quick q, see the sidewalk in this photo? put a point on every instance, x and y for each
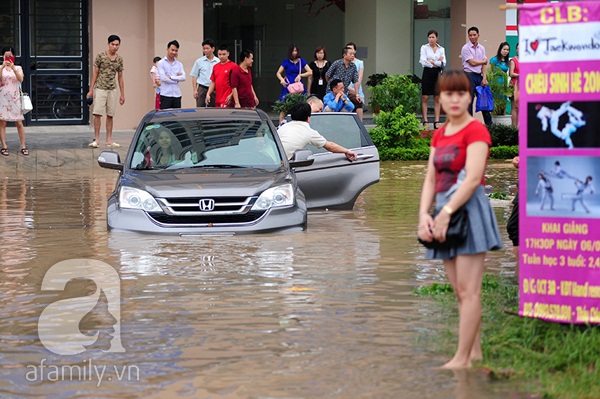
(53, 148)
(57, 149)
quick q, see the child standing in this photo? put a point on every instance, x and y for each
(155, 81)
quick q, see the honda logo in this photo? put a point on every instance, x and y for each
(206, 205)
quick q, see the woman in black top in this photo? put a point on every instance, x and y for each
(316, 82)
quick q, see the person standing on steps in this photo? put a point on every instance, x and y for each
(103, 89)
(242, 90)
(201, 72)
(317, 84)
(474, 63)
(219, 80)
(433, 59)
(171, 73)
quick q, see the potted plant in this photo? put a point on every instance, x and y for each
(396, 90)
(282, 107)
(498, 81)
(376, 79)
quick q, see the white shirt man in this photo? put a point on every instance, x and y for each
(297, 134)
(171, 73)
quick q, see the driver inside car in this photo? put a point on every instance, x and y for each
(164, 151)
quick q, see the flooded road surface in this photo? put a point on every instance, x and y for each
(327, 313)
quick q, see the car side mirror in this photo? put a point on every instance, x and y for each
(110, 160)
(301, 158)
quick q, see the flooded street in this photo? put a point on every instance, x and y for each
(326, 313)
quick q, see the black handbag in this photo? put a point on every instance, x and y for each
(456, 235)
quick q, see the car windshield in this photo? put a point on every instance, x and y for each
(206, 143)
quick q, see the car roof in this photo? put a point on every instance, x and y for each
(204, 113)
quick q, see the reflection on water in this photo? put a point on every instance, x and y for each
(324, 313)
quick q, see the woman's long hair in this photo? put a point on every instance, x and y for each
(499, 55)
(291, 49)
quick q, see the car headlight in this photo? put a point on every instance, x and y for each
(275, 197)
(134, 198)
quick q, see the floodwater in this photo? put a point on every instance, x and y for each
(326, 313)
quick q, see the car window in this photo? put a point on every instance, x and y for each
(339, 128)
(187, 143)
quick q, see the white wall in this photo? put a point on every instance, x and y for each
(382, 31)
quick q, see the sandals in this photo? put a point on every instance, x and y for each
(425, 126)
(24, 151)
(435, 124)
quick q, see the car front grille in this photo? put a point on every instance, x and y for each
(206, 219)
(189, 211)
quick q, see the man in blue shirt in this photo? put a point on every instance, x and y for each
(201, 72)
(336, 100)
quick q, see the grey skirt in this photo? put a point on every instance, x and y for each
(483, 228)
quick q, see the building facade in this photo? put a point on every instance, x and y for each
(56, 41)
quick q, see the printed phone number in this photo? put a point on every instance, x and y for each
(552, 311)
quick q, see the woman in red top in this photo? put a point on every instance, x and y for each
(457, 161)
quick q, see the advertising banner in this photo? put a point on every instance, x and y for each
(559, 148)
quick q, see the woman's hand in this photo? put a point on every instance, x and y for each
(283, 82)
(440, 223)
(425, 231)
(298, 78)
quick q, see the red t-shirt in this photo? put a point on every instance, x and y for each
(451, 152)
(220, 75)
(242, 80)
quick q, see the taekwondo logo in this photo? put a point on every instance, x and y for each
(58, 325)
(547, 45)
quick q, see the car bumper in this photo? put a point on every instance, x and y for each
(274, 220)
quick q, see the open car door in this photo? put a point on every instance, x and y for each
(332, 181)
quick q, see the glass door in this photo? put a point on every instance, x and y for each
(268, 27)
(50, 40)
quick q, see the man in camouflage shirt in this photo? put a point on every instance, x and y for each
(107, 65)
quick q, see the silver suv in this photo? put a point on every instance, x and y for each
(216, 171)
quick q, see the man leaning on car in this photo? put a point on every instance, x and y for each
(296, 134)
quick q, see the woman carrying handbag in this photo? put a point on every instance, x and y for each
(462, 143)
(11, 76)
(292, 67)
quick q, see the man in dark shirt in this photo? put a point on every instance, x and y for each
(343, 69)
(241, 82)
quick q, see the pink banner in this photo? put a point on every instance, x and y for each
(559, 121)
(559, 13)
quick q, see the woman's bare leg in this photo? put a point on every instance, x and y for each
(436, 108)
(424, 101)
(3, 134)
(514, 111)
(21, 131)
(466, 274)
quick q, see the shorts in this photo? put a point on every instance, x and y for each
(357, 104)
(105, 102)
